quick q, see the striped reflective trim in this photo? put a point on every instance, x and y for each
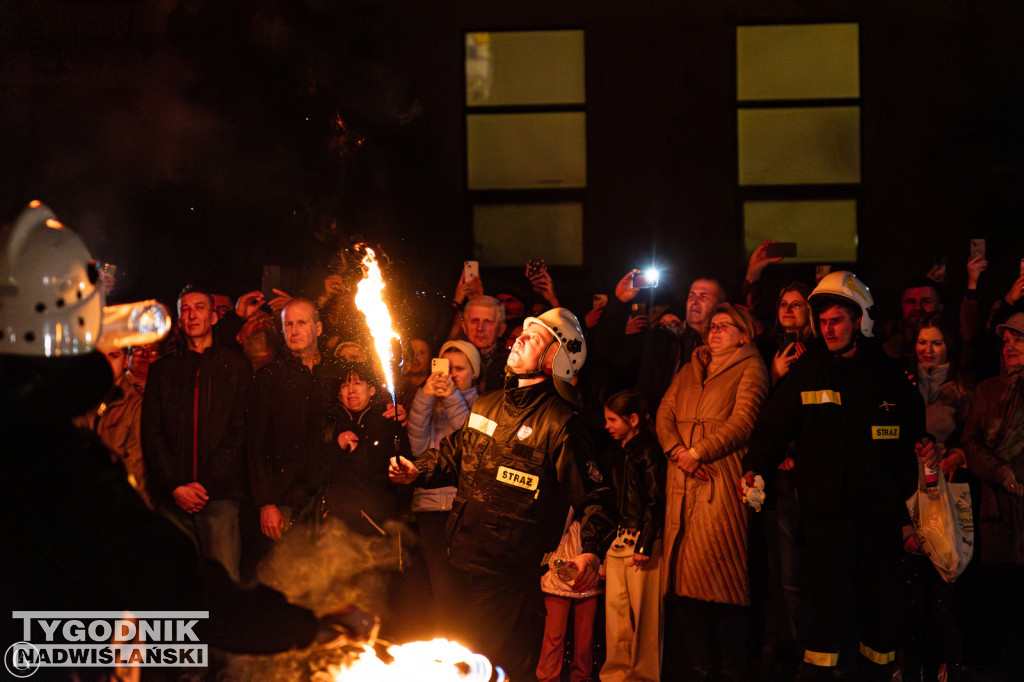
(825, 659)
(482, 424)
(877, 656)
(821, 397)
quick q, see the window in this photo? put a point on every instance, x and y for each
(798, 137)
(526, 151)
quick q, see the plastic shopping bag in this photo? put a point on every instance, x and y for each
(944, 524)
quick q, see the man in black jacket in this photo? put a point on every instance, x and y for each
(854, 418)
(286, 404)
(523, 458)
(193, 417)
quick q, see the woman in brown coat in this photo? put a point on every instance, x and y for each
(703, 425)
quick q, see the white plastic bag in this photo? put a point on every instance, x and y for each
(944, 524)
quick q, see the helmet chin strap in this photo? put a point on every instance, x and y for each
(848, 347)
(532, 374)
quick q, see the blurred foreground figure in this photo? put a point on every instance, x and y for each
(76, 536)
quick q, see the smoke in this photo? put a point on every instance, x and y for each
(323, 569)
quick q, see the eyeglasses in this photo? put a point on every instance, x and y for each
(721, 327)
(794, 305)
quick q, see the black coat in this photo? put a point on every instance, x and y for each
(287, 404)
(217, 460)
(356, 482)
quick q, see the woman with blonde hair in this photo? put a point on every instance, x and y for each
(703, 424)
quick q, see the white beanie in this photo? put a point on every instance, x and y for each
(467, 349)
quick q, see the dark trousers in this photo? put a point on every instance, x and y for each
(502, 617)
(851, 586)
(445, 581)
(704, 638)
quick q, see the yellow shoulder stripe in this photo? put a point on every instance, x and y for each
(821, 397)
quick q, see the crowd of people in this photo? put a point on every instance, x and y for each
(546, 467)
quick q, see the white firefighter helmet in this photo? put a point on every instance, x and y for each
(50, 304)
(847, 287)
(572, 348)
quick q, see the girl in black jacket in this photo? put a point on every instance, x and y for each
(633, 564)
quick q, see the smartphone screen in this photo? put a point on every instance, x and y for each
(638, 309)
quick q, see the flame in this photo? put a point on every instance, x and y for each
(370, 302)
(435, 661)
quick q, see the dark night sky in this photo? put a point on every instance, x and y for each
(189, 140)
(198, 141)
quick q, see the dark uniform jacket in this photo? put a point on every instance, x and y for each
(639, 473)
(182, 444)
(855, 422)
(523, 457)
(286, 407)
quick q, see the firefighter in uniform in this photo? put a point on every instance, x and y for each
(854, 417)
(521, 461)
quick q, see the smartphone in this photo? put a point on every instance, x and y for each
(534, 267)
(781, 250)
(1022, 267)
(790, 337)
(439, 365)
(470, 270)
(977, 248)
(599, 300)
(820, 271)
(645, 279)
(637, 309)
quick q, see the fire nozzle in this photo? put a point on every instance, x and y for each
(134, 324)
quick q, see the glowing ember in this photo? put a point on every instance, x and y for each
(370, 302)
(435, 661)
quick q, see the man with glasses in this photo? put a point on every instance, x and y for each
(138, 362)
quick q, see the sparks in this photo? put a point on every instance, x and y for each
(370, 302)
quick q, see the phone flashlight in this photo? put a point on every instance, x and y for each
(646, 279)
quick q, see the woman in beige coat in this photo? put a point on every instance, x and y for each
(703, 425)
